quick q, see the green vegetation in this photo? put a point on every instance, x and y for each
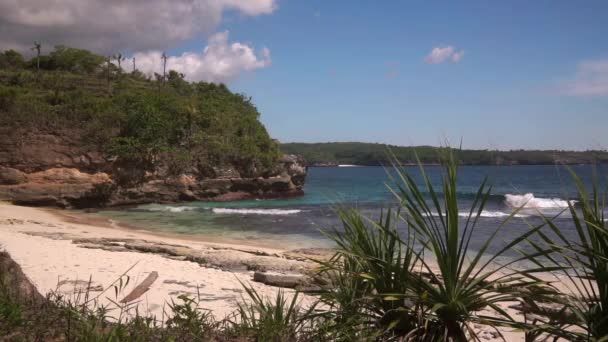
(424, 284)
(586, 265)
(384, 284)
(357, 153)
(130, 116)
(272, 319)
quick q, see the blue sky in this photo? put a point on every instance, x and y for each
(355, 71)
(496, 74)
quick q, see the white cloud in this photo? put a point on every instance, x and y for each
(591, 79)
(457, 56)
(443, 54)
(220, 61)
(109, 26)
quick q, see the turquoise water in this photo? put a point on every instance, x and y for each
(296, 222)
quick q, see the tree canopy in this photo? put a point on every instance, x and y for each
(131, 116)
(358, 153)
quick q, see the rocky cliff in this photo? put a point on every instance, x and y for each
(57, 168)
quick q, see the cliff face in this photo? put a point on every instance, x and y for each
(55, 168)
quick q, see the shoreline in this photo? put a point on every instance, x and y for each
(60, 252)
(94, 219)
(328, 165)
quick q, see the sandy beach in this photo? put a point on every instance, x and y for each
(59, 254)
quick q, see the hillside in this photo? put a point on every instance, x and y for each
(358, 153)
(128, 137)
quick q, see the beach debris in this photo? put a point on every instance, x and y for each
(68, 286)
(289, 280)
(142, 288)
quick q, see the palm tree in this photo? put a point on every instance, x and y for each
(37, 47)
(164, 58)
(108, 62)
(119, 58)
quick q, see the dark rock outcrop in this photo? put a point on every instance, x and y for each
(54, 168)
(16, 284)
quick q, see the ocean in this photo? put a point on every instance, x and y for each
(298, 222)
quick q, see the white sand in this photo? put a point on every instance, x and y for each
(47, 262)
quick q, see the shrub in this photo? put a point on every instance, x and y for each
(11, 59)
(585, 264)
(424, 282)
(8, 95)
(272, 320)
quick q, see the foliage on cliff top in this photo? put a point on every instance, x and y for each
(359, 153)
(132, 116)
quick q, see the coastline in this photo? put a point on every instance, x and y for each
(59, 252)
(93, 219)
(62, 252)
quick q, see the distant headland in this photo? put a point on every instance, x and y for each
(374, 154)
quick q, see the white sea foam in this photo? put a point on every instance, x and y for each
(528, 201)
(484, 213)
(488, 213)
(172, 209)
(255, 211)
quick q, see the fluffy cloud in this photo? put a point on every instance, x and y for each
(109, 26)
(443, 54)
(220, 62)
(457, 56)
(591, 79)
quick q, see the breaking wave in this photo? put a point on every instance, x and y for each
(485, 213)
(172, 209)
(528, 201)
(255, 211)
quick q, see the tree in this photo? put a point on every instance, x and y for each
(108, 62)
(37, 47)
(176, 81)
(164, 58)
(11, 59)
(119, 58)
(74, 60)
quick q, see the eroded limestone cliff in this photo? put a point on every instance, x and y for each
(55, 168)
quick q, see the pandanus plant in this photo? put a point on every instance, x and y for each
(462, 282)
(370, 261)
(584, 264)
(423, 281)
